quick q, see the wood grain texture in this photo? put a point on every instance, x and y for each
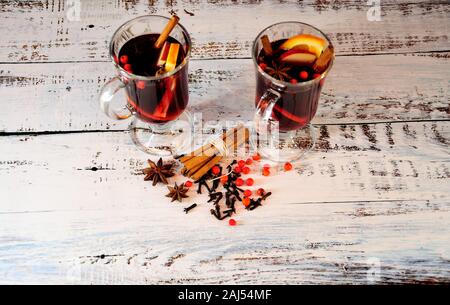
(63, 97)
(41, 31)
(73, 208)
(369, 192)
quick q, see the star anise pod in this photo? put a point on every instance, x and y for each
(278, 71)
(158, 172)
(177, 192)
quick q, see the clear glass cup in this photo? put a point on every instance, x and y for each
(284, 110)
(157, 104)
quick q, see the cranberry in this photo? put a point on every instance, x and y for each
(293, 81)
(249, 181)
(249, 161)
(215, 170)
(287, 166)
(256, 157)
(266, 166)
(239, 182)
(247, 193)
(123, 59)
(246, 170)
(140, 84)
(263, 66)
(224, 179)
(188, 183)
(232, 222)
(246, 201)
(260, 192)
(266, 172)
(127, 68)
(303, 75)
(237, 169)
(316, 75)
(241, 163)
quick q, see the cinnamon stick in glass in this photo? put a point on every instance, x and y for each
(267, 46)
(166, 32)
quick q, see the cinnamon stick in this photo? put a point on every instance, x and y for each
(209, 148)
(233, 144)
(204, 169)
(267, 46)
(166, 32)
(323, 61)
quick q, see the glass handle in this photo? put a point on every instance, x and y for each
(263, 116)
(114, 107)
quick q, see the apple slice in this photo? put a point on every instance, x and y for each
(315, 44)
(297, 58)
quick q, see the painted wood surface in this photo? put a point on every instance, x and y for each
(369, 194)
(371, 204)
(359, 89)
(42, 31)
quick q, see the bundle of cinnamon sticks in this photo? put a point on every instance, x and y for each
(200, 161)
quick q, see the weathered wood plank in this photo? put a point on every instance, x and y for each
(360, 89)
(43, 31)
(279, 244)
(367, 162)
(370, 193)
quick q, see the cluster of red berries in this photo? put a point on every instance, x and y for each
(243, 167)
(123, 61)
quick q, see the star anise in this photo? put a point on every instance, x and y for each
(177, 192)
(158, 172)
(278, 71)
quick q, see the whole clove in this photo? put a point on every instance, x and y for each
(214, 213)
(186, 210)
(266, 195)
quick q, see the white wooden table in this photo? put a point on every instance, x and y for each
(374, 197)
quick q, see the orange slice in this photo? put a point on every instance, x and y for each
(305, 42)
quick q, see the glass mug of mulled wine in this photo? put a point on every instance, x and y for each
(151, 56)
(291, 60)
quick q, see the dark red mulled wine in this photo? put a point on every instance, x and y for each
(298, 104)
(157, 100)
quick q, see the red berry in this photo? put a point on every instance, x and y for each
(260, 192)
(317, 75)
(124, 59)
(246, 170)
(215, 170)
(249, 181)
(237, 169)
(256, 157)
(140, 84)
(303, 75)
(224, 179)
(263, 66)
(188, 183)
(241, 163)
(232, 222)
(293, 81)
(287, 166)
(127, 68)
(239, 182)
(266, 166)
(247, 193)
(249, 161)
(246, 201)
(266, 172)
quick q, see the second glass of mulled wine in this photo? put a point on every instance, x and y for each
(151, 56)
(291, 60)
